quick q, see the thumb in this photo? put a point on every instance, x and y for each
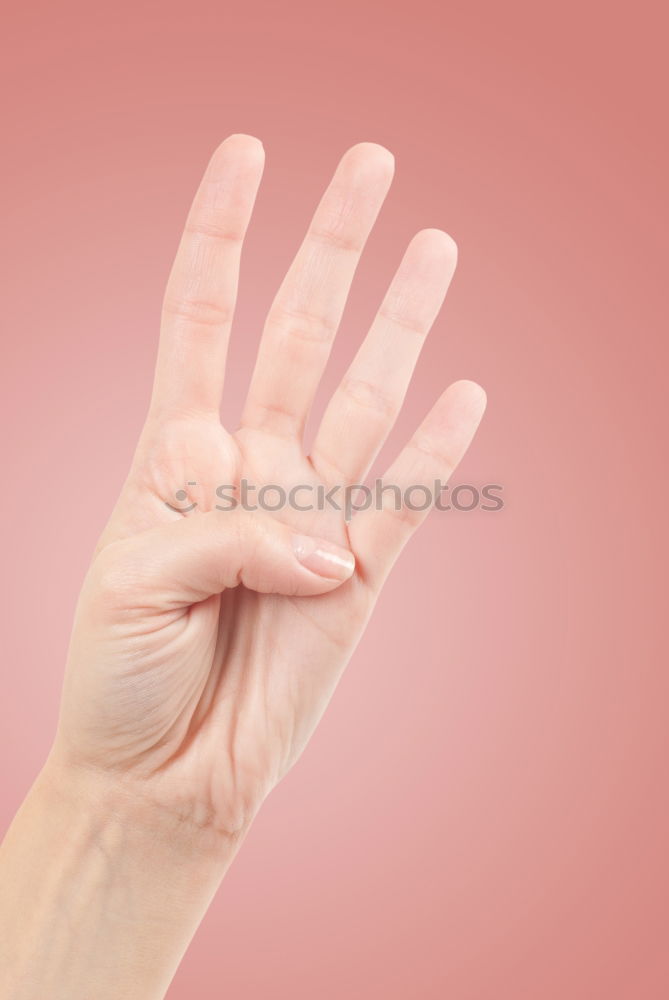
(184, 562)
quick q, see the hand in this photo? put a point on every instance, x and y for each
(207, 643)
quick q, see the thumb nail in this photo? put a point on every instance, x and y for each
(324, 558)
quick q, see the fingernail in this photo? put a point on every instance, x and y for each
(324, 558)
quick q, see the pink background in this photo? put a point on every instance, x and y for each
(483, 813)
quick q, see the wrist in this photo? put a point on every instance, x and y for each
(100, 886)
(128, 812)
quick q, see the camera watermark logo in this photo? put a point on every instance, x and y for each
(181, 496)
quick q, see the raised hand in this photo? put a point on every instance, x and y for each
(208, 642)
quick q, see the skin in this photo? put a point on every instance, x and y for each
(207, 644)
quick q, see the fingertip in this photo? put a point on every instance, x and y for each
(239, 146)
(438, 240)
(371, 155)
(244, 141)
(469, 395)
(435, 251)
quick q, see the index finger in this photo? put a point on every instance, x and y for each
(202, 287)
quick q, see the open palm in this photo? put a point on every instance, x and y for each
(208, 642)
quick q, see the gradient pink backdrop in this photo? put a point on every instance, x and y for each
(483, 813)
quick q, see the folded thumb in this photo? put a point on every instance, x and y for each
(189, 560)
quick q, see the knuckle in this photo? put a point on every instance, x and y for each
(197, 310)
(336, 237)
(435, 453)
(302, 324)
(403, 321)
(371, 396)
(209, 229)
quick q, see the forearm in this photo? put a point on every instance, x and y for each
(101, 893)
